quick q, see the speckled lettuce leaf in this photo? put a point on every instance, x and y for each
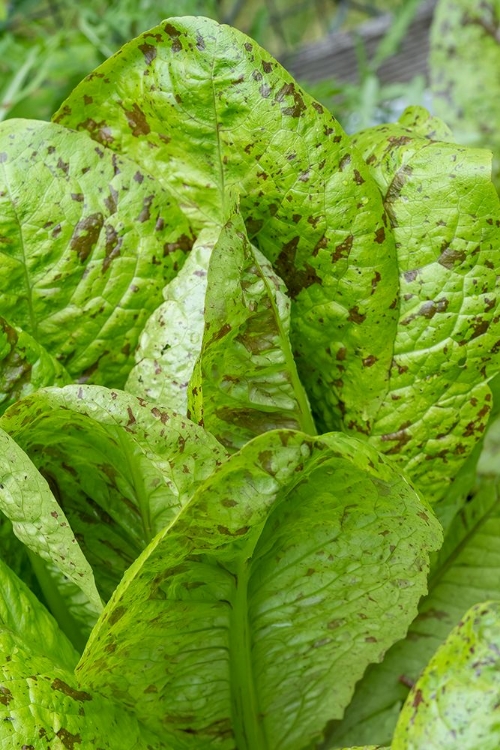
(43, 707)
(208, 112)
(87, 243)
(22, 614)
(464, 62)
(171, 340)
(120, 467)
(456, 701)
(445, 216)
(37, 518)
(246, 380)
(296, 564)
(466, 572)
(25, 366)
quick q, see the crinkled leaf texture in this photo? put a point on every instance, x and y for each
(465, 573)
(41, 704)
(25, 366)
(467, 95)
(121, 468)
(444, 214)
(456, 701)
(37, 518)
(87, 241)
(171, 340)
(209, 112)
(248, 620)
(246, 380)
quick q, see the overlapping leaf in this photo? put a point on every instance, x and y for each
(123, 470)
(466, 572)
(466, 94)
(456, 701)
(37, 518)
(247, 622)
(445, 216)
(25, 366)
(41, 704)
(209, 112)
(246, 381)
(87, 241)
(171, 340)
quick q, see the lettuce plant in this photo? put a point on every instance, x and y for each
(245, 384)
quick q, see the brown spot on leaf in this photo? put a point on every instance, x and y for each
(344, 162)
(69, 740)
(63, 165)
(357, 178)
(183, 243)
(149, 52)
(267, 67)
(100, 131)
(136, 120)
(145, 214)
(220, 333)
(449, 258)
(63, 687)
(355, 316)
(342, 251)
(86, 234)
(5, 695)
(296, 279)
(116, 615)
(112, 246)
(400, 437)
(418, 699)
(380, 235)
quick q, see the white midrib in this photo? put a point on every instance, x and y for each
(247, 723)
(29, 290)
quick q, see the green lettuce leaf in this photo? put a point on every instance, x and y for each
(120, 467)
(88, 241)
(445, 214)
(24, 617)
(456, 701)
(247, 621)
(466, 572)
(465, 94)
(42, 706)
(171, 340)
(246, 381)
(25, 366)
(209, 112)
(37, 518)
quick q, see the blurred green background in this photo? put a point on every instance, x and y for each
(48, 46)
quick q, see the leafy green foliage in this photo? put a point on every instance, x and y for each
(78, 247)
(466, 94)
(456, 698)
(251, 570)
(446, 344)
(249, 557)
(245, 381)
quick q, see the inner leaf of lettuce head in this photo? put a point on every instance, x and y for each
(123, 470)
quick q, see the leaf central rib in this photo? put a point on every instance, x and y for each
(248, 729)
